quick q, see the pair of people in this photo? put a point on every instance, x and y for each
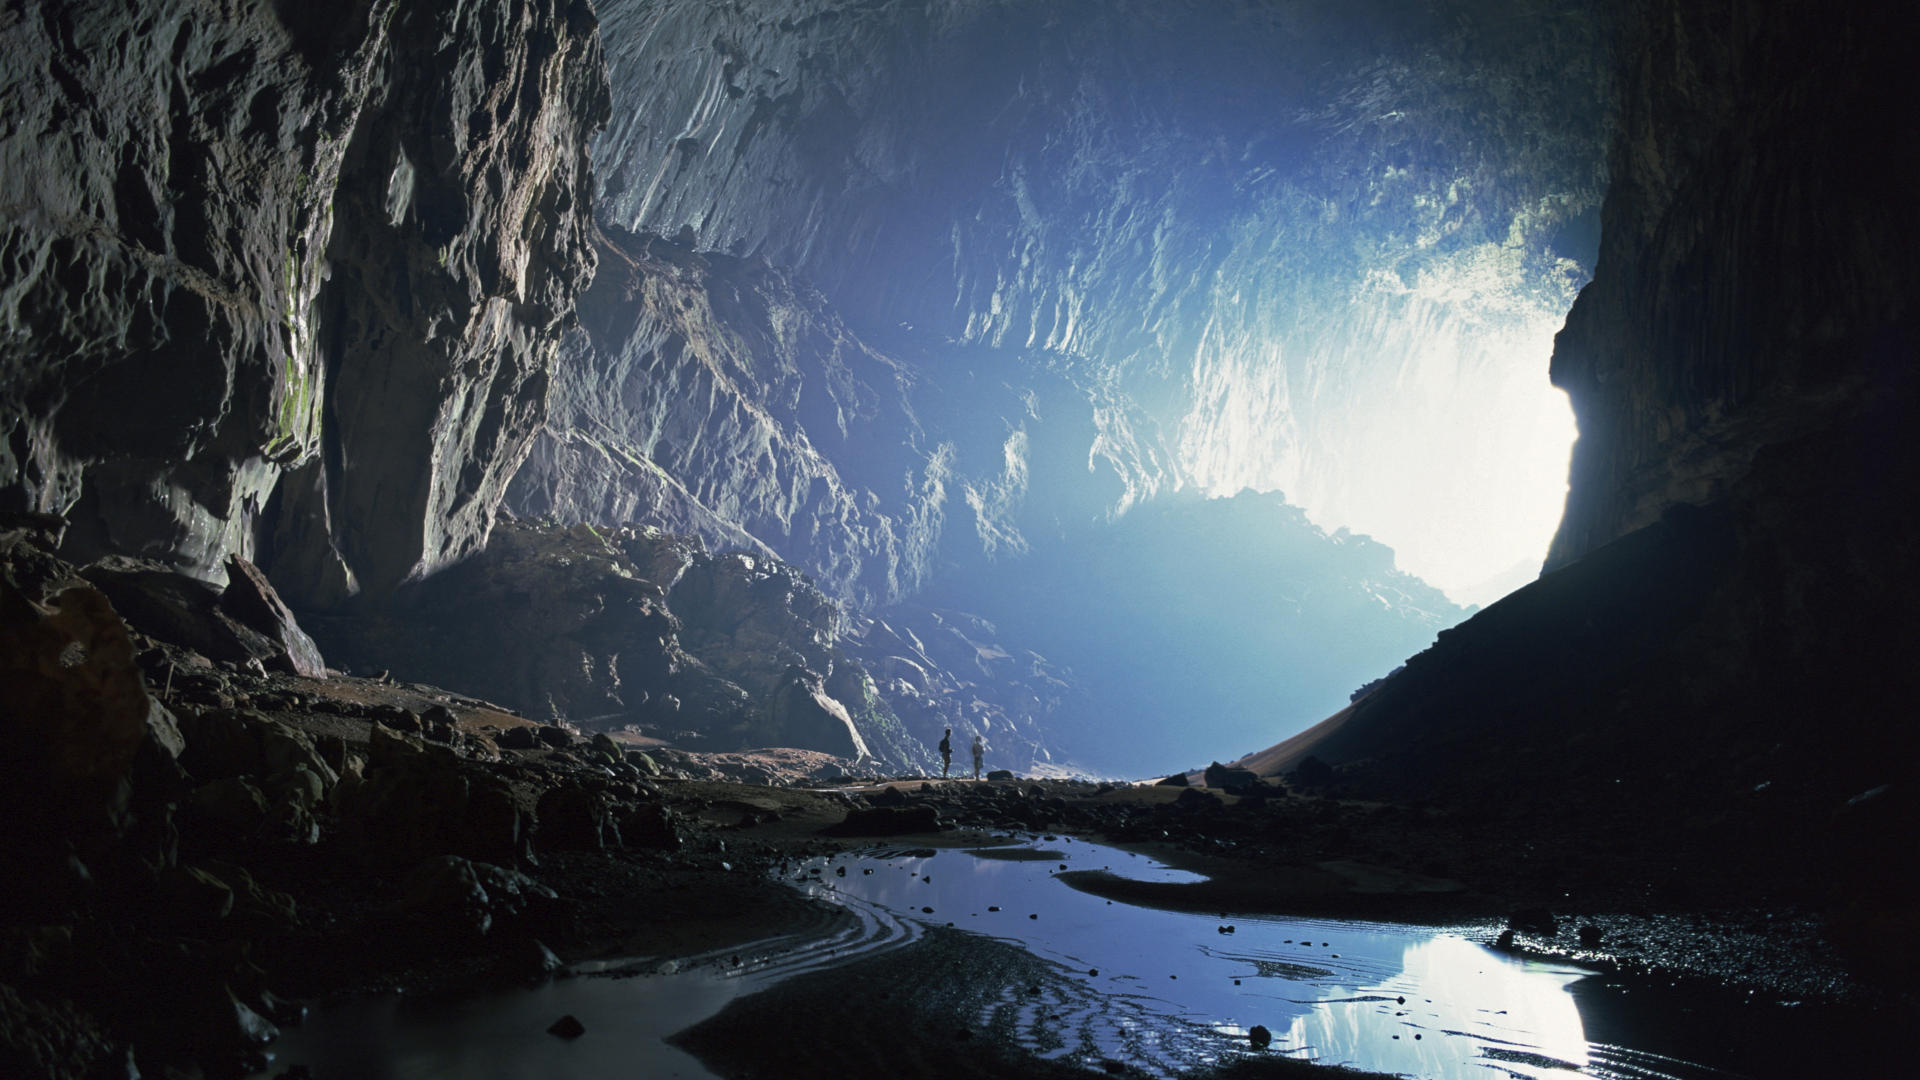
(946, 754)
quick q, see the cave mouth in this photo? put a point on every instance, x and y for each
(1319, 251)
(1454, 453)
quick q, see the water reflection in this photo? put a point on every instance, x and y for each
(1168, 991)
(1163, 992)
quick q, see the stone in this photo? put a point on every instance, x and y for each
(650, 825)
(250, 598)
(1534, 920)
(887, 821)
(573, 818)
(1002, 775)
(1259, 1037)
(517, 738)
(1230, 780)
(1176, 780)
(567, 1027)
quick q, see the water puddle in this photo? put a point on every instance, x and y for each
(1169, 991)
(1164, 992)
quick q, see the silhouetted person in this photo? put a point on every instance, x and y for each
(979, 755)
(946, 753)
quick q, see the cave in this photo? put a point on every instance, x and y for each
(686, 513)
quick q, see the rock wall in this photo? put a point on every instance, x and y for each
(284, 281)
(1305, 242)
(1755, 281)
(720, 397)
(713, 396)
(1725, 638)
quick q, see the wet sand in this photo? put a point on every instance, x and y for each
(945, 1007)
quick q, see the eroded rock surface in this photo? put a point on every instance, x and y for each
(339, 243)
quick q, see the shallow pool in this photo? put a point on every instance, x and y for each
(1164, 992)
(1160, 989)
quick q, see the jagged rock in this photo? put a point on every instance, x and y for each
(1195, 799)
(887, 821)
(804, 716)
(1230, 780)
(79, 723)
(416, 799)
(193, 896)
(251, 600)
(234, 805)
(1176, 780)
(312, 196)
(567, 1027)
(518, 738)
(1312, 772)
(475, 895)
(577, 819)
(650, 825)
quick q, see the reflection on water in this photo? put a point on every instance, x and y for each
(1163, 992)
(1168, 991)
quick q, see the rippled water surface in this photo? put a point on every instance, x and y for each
(1164, 992)
(1159, 989)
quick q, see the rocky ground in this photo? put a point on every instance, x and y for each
(207, 830)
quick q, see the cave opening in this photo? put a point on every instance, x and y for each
(501, 488)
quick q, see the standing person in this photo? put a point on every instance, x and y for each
(946, 753)
(979, 755)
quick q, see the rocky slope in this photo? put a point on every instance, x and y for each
(286, 283)
(1728, 635)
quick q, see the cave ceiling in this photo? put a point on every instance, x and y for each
(1309, 242)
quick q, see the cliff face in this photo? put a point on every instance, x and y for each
(1725, 640)
(1755, 281)
(715, 397)
(286, 283)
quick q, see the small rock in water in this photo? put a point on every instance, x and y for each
(1589, 936)
(927, 910)
(993, 907)
(1034, 916)
(1093, 971)
(1259, 1036)
(568, 1027)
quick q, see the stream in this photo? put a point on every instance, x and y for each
(1165, 992)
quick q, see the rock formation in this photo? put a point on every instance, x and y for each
(1728, 621)
(286, 284)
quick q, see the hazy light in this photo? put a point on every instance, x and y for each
(1419, 414)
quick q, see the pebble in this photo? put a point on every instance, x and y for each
(1259, 1036)
(567, 1027)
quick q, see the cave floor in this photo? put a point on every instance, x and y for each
(128, 973)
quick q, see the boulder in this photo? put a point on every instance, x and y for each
(251, 600)
(573, 818)
(804, 716)
(887, 821)
(1230, 780)
(474, 896)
